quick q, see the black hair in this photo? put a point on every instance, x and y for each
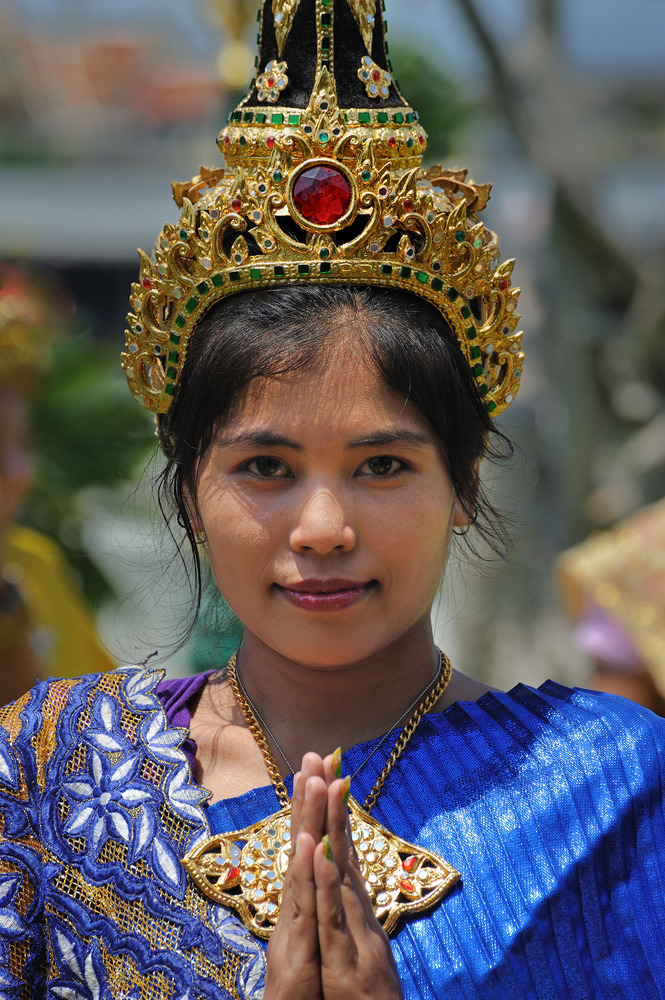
(277, 331)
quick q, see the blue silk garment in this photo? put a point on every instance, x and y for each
(550, 804)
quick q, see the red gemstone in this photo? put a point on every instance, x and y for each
(407, 885)
(322, 195)
(233, 874)
(503, 284)
(409, 863)
(421, 139)
(147, 283)
(236, 204)
(271, 81)
(270, 141)
(227, 141)
(392, 141)
(408, 204)
(376, 76)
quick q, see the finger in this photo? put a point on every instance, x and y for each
(338, 827)
(311, 765)
(332, 766)
(294, 944)
(334, 940)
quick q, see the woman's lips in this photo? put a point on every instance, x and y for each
(325, 595)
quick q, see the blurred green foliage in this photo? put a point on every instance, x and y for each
(443, 112)
(86, 430)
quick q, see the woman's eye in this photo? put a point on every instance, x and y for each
(381, 465)
(267, 467)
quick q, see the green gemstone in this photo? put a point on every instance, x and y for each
(217, 280)
(382, 117)
(236, 116)
(460, 235)
(248, 116)
(294, 119)
(242, 140)
(169, 390)
(323, 136)
(202, 288)
(255, 273)
(303, 268)
(183, 234)
(277, 176)
(191, 305)
(475, 352)
(405, 272)
(324, 252)
(437, 284)
(260, 118)
(409, 143)
(364, 117)
(408, 118)
(421, 276)
(180, 321)
(174, 356)
(326, 3)
(477, 243)
(452, 294)
(277, 119)
(325, 268)
(366, 175)
(171, 372)
(386, 269)
(471, 333)
(465, 311)
(399, 117)
(175, 338)
(491, 406)
(477, 369)
(326, 19)
(483, 389)
(279, 271)
(234, 275)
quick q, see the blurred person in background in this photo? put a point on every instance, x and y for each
(613, 587)
(45, 627)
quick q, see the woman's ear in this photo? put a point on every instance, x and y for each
(463, 518)
(193, 515)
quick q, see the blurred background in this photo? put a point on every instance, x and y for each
(560, 103)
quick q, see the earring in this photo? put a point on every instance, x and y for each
(462, 531)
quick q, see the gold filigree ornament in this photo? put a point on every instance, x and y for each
(272, 81)
(314, 190)
(377, 81)
(245, 870)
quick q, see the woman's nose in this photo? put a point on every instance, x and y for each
(322, 525)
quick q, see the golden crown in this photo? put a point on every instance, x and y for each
(327, 189)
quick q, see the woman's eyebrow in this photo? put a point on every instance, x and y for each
(262, 439)
(395, 435)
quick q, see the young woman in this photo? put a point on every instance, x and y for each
(324, 433)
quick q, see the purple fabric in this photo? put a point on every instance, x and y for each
(178, 695)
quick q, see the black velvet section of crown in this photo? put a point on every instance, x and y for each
(300, 56)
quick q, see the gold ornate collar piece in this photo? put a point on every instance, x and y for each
(323, 182)
(245, 869)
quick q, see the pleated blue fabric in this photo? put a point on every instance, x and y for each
(550, 804)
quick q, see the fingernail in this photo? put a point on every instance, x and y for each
(327, 847)
(346, 789)
(337, 762)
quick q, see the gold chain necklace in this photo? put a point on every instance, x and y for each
(245, 869)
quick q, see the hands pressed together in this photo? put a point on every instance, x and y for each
(327, 944)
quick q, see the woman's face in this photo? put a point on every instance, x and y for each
(327, 510)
